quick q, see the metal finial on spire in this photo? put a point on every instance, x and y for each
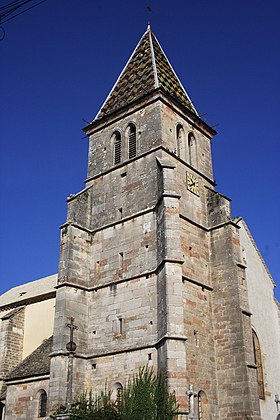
(149, 12)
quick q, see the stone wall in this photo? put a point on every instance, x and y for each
(11, 340)
(22, 401)
(153, 273)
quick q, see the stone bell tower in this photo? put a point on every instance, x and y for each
(151, 267)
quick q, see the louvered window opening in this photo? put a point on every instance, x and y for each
(117, 149)
(132, 144)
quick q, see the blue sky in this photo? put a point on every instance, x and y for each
(60, 60)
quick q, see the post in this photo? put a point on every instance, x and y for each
(192, 396)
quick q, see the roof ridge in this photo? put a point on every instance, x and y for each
(242, 221)
(153, 55)
(175, 74)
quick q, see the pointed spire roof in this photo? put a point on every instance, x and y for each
(148, 68)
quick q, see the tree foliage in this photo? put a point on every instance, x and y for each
(144, 398)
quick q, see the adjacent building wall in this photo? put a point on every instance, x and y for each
(22, 402)
(38, 325)
(265, 320)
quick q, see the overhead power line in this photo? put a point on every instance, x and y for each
(8, 11)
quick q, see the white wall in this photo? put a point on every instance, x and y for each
(38, 324)
(265, 320)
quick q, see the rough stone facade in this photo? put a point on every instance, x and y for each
(153, 271)
(12, 332)
(23, 399)
(152, 266)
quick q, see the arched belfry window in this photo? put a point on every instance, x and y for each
(117, 144)
(192, 152)
(258, 363)
(132, 141)
(42, 403)
(181, 146)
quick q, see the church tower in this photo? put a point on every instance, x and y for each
(151, 267)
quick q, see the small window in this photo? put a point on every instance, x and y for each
(258, 363)
(43, 404)
(192, 150)
(121, 260)
(201, 400)
(117, 392)
(120, 325)
(117, 147)
(180, 136)
(132, 144)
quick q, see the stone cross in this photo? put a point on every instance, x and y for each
(71, 347)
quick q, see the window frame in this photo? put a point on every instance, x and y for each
(43, 400)
(131, 135)
(117, 147)
(258, 362)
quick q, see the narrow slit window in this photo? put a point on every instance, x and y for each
(43, 404)
(132, 143)
(192, 150)
(117, 147)
(180, 141)
(258, 362)
(121, 260)
(120, 326)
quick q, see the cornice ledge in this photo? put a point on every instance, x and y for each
(227, 223)
(76, 225)
(171, 337)
(164, 163)
(63, 283)
(241, 265)
(27, 379)
(171, 194)
(123, 350)
(251, 365)
(171, 261)
(198, 283)
(246, 312)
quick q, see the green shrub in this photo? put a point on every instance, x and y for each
(144, 398)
